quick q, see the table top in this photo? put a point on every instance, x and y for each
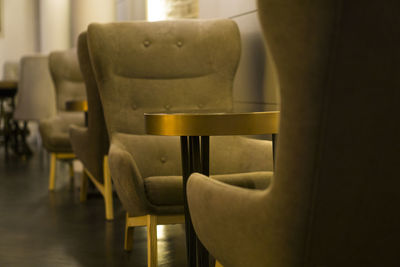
(8, 84)
(76, 105)
(211, 124)
(8, 88)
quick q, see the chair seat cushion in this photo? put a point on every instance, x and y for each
(54, 131)
(167, 190)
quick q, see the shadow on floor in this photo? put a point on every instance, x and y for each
(38, 228)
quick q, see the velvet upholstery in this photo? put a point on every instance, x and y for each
(69, 85)
(163, 69)
(148, 168)
(54, 131)
(36, 93)
(167, 66)
(334, 198)
(67, 77)
(90, 143)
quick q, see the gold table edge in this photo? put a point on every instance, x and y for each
(76, 105)
(210, 124)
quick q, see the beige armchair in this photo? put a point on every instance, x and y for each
(35, 98)
(69, 85)
(334, 198)
(11, 71)
(168, 66)
(90, 144)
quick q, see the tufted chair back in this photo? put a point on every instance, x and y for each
(162, 66)
(68, 81)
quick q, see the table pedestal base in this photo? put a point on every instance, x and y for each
(195, 158)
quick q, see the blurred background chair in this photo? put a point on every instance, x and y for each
(36, 100)
(138, 69)
(334, 196)
(69, 85)
(90, 144)
(11, 71)
(8, 91)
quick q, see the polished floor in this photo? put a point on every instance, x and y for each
(38, 228)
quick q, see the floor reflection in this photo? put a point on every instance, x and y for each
(39, 228)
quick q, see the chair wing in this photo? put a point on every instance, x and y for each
(334, 196)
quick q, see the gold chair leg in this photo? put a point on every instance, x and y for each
(151, 241)
(217, 264)
(108, 198)
(128, 244)
(71, 170)
(84, 186)
(52, 175)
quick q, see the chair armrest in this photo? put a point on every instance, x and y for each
(127, 180)
(78, 132)
(80, 139)
(230, 221)
(236, 154)
(221, 214)
(55, 131)
(87, 150)
(61, 122)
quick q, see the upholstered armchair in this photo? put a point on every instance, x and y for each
(36, 96)
(90, 144)
(69, 85)
(11, 71)
(167, 66)
(334, 197)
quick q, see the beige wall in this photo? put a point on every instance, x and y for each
(131, 10)
(54, 23)
(84, 12)
(255, 86)
(31, 26)
(19, 30)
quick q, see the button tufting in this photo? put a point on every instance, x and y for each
(179, 43)
(200, 105)
(167, 107)
(163, 159)
(134, 107)
(146, 43)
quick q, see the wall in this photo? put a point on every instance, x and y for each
(255, 87)
(20, 30)
(54, 25)
(131, 10)
(21, 27)
(84, 12)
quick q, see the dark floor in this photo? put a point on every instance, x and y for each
(38, 228)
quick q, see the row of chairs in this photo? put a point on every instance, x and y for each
(128, 69)
(334, 196)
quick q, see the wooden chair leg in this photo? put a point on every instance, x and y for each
(52, 175)
(108, 198)
(71, 170)
(129, 230)
(84, 186)
(151, 241)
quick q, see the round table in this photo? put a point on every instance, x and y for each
(194, 130)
